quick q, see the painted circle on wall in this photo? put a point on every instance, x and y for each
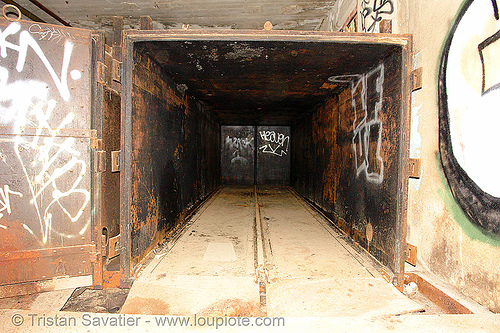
(469, 112)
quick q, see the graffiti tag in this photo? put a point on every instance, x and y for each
(274, 143)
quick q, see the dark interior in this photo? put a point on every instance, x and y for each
(340, 100)
(261, 82)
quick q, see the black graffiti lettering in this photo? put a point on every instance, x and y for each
(482, 207)
(481, 47)
(375, 12)
(495, 9)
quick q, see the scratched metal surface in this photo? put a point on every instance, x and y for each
(347, 158)
(273, 155)
(45, 169)
(238, 155)
(174, 157)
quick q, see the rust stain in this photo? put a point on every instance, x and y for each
(111, 279)
(142, 305)
(232, 308)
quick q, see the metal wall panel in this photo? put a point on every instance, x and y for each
(273, 155)
(46, 170)
(349, 159)
(170, 159)
(238, 155)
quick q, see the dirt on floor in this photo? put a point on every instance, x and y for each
(98, 301)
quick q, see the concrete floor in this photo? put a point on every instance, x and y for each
(277, 258)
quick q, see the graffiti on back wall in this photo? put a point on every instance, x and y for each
(274, 143)
(469, 95)
(241, 149)
(52, 167)
(367, 92)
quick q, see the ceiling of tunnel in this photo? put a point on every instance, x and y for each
(236, 14)
(261, 82)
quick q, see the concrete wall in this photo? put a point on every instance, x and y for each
(453, 213)
(450, 243)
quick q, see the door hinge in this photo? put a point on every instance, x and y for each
(115, 161)
(113, 246)
(101, 73)
(96, 143)
(415, 167)
(116, 70)
(416, 79)
(411, 254)
(100, 161)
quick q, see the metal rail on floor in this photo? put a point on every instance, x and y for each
(260, 255)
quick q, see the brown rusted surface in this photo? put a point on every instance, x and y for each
(232, 308)
(337, 90)
(261, 82)
(437, 296)
(111, 180)
(347, 157)
(111, 279)
(46, 173)
(44, 264)
(174, 155)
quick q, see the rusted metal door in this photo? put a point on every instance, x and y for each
(49, 154)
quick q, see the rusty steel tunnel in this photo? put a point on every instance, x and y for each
(161, 123)
(323, 114)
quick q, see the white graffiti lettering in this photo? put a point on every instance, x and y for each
(274, 143)
(26, 41)
(240, 148)
(5, 193)
(48, 33)
(53, 167)
(366, 93)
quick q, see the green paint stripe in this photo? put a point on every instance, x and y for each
(473, 231)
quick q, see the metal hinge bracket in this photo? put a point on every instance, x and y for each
(116, 70)
(96, 143)
(115, 161)
(101, 73)
(416, 79)
(415, 168)
(411, 254)
(100, 161)
(113, 246)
